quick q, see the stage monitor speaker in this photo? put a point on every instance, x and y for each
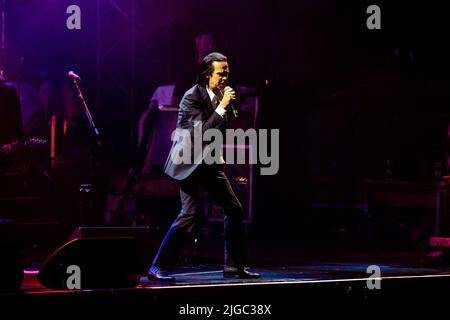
(107, 257)
(147, 241)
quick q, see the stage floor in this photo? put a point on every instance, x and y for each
(309, 272)
(328, 286)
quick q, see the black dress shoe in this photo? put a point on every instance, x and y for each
(159, 275)
(239, 273)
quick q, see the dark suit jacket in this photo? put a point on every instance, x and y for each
(11, 126)
(194, 106)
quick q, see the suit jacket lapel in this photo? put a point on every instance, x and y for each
(205, 97)
(210, 109)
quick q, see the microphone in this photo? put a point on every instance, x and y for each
(235, 113)
(73, 75)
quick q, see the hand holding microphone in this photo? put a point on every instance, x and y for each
(228, 96)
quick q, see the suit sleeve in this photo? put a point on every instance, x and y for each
(192, 114)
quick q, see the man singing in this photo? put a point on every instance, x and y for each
(205, 105)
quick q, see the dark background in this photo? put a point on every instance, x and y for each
(345, 98)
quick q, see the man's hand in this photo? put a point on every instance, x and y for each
(228, 96)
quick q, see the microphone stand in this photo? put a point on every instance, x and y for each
(87, 189)
(88, 113)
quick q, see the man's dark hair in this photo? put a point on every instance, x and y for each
(206, 69)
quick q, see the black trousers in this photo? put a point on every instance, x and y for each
(214, 181)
